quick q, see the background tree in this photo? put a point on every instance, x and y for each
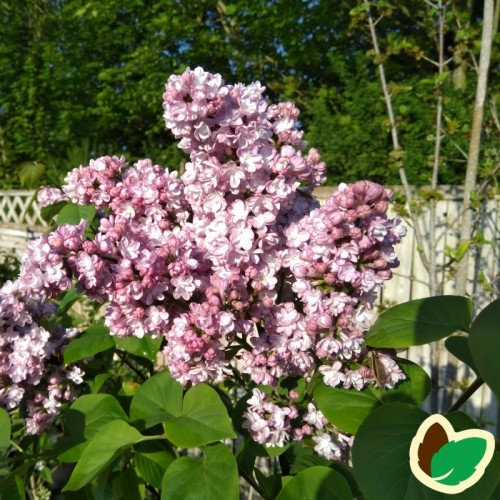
(84, 78)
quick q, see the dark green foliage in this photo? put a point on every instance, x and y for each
(82, 79)
(9, 266)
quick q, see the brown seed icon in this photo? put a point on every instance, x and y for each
(434, 439)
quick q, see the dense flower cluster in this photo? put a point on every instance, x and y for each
(232, 260)
(26, 349)
(50, 196)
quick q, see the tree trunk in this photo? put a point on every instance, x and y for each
(475, 141)
(470, 184)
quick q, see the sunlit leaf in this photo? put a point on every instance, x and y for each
(115, 437)
(213, 477)
(421, 321)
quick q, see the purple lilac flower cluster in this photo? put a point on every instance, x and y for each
(26, 349)
(232, 261)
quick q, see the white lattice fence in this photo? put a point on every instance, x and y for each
(20, 221)
(19, 208)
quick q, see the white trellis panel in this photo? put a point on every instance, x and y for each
(19, 209)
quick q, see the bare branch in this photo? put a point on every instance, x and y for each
(428, 59)
(434, 6)
(457, 146)
(394, 133)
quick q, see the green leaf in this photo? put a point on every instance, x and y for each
(213, 477)
(4, 430)
(126, 486)
(421, 321)
(484, 343)
(146, 347)
(72, 214)
(274, 451)
(203, 419)
(96, 385)
(345, 408)
(348, 408)
(84, 419)
(346, 472)
(459, 347)
(152, 459)
(414, 389)
(381, 448)
(115, 437)
(69, 298)
(30, 172)
(316, 483)
(460, 420)
(12, 486)
(49, 212)
(441, 77)
(456, 461)
(157, 400)
(84, 493)
(462, 250)
(301, 458)
(97, 411)
(94, 339)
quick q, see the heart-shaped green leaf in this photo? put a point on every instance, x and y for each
(157, 400)
(456, 461)
(345, 408)
(213, 477)
(93, 340)
(146, 347)
(421, 321)
(72, 214)
(316, 483)
(459, 347)
(203, 419)
(84, 419)
(115, 437)
(152, 459)
(484, 342)
(93, 412)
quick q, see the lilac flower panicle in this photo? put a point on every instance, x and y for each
(233, 260)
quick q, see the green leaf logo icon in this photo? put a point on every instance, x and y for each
(449, 461)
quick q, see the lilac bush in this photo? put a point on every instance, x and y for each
(234, 267)
(236, 252)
